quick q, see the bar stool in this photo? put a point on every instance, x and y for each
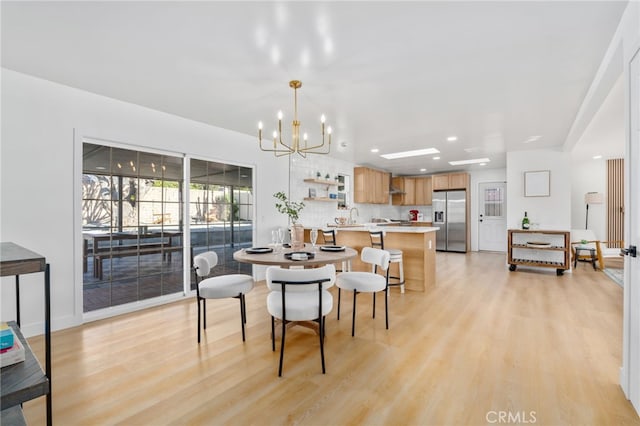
(329, 237)
(377, 241)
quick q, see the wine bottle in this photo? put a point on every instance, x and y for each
(525, 221)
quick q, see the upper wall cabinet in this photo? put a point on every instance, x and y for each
(416, 191)
(370, 186)
(424, 191)
(450, 181)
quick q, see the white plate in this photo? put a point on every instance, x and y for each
(539, 245)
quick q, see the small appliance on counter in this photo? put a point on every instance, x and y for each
(413, 215)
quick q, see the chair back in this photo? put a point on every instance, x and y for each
(204, 262)
(376, 257)
(377, 239)
(579, 235)
(303, 279)
(329, 236)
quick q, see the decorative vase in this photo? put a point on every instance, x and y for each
(297, 236)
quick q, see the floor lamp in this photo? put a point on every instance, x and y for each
(591, 198)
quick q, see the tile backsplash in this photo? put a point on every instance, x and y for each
(321, 213)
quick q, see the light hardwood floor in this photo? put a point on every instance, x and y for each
(542, 348)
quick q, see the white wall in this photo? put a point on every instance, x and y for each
(589, 176)
(553, 212)
(37, 169)
(478, 177)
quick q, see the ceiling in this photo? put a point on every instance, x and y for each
(397, 76)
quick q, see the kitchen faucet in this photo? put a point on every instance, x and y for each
(351, 221)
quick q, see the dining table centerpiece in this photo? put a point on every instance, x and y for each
(292, 209)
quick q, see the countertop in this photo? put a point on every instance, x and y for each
(390, 229)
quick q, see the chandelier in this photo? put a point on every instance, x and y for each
(296, 146)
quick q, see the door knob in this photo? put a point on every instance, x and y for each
(631, 251)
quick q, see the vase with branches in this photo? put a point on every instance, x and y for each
(292, 209)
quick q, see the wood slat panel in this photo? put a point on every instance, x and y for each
(615, 199)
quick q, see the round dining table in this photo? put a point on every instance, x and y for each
(277, 257)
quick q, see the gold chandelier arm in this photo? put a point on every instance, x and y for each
(285, 151)
(309, 149)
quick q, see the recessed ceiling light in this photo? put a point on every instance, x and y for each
(452, 138)
(597, 157)
(375, 150)
(414, 153)
(436, 158)
(483, 164)
(532, 139)
(423, 170)
(100, 168)
(474, 161)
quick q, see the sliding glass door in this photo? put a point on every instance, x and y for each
(131, 224)
(221, 212)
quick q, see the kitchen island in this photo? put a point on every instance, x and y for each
(418, 245)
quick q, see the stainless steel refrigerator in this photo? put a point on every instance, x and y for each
(450, 215)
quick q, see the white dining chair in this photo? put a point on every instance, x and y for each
(220, 287)
(377, 241)
(367, 282)
(299, 295)
(330, 237)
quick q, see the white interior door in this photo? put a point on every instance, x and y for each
(630, 377)
(492, 216)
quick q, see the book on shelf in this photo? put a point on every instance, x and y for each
(12, 355)
(6, 336)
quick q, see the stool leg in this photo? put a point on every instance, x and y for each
(401, 266)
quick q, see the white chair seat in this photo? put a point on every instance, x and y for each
(225, 286)
(394, 252)
(301, 306)
(609, 251)
(361, 281)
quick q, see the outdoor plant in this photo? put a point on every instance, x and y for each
(290, 208)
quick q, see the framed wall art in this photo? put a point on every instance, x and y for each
(537, 183)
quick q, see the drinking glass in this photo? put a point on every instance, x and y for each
(281, 236)
(274, 239)
(313, 235)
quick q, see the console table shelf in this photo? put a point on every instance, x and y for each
(523, 251)
(25, 380)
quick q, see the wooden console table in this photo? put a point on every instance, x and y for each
(25, 380)
(540, 248)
